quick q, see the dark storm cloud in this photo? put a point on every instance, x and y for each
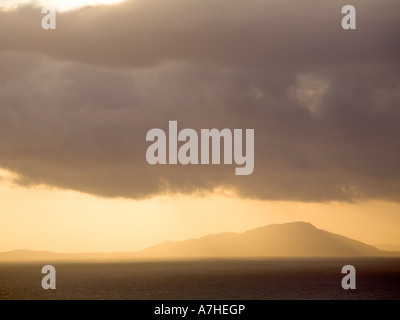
(254, 32)
(76, 103)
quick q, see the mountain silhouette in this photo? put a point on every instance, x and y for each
(295, 239)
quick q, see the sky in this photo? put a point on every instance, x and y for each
(61, 5)
(76, 104)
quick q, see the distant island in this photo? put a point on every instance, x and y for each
(295, 239)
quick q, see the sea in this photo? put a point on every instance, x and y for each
(213, 279)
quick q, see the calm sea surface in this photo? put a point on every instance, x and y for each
(206, 279)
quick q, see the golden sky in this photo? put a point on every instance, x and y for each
(43, 218)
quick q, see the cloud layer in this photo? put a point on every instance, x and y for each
(76, 103)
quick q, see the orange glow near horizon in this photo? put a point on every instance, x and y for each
(42, 218)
